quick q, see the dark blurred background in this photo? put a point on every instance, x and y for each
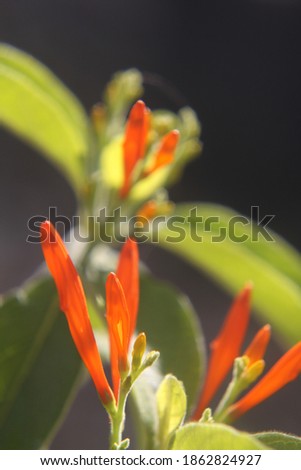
(238, 65)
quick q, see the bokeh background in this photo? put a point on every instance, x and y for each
(238, 65)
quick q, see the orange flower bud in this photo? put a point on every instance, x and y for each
(165, 154)
(284, 371)
(134, 146)
(225, 348)
(256, 349)
(128, 275)
(119, 329)
(134, 142)
(73, 304)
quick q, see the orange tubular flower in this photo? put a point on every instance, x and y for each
(134, 146)
(165, 154)
(73, 304)
(128, 275)
(122, 308)
(225, 348)
(134, 142)
(284, 371)
(257, 348)
(119, 329)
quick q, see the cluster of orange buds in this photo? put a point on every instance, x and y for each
(225, 349)
(122, 297)
(135, 143)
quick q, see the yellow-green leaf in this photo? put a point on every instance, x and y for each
(273, 266)
(171, 404)
(196, 436)
(37, 107)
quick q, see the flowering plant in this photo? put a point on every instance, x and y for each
(150, 351)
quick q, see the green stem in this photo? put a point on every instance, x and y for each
(117, 424)
(118, 418)
(233, 390)
(237, 385)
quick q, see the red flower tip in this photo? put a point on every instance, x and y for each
(73, 304)
(225, 347)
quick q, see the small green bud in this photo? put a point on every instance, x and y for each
(254, 371)
(125, 87)
(138, 351)
(98, 117)
(207, 416)
(150, 359)
(164, 121)
(123, 445)
(191, 149)
(240, 365)
(191, 126)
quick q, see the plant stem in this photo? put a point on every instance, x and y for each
(118, 419)
(233, 390)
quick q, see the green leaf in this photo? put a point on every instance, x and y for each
(39, 367)
(273, 266)
(171, 404)
(279, 440)
(36, 106)
(170, 324)
(143, 409)
(196, 436)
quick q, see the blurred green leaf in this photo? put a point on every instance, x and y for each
(39, 367)
(196, 436)
(143, 409)
(36, 106)
(171, 404)
(170, 324)
(273, 266)
(279, 440)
